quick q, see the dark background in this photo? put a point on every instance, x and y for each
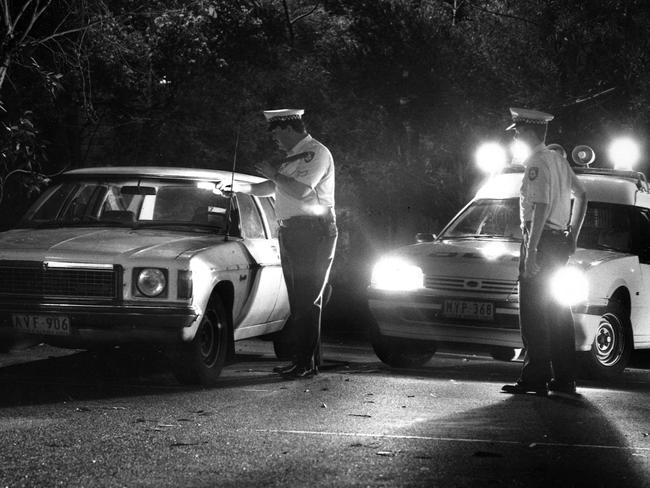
(401, 91)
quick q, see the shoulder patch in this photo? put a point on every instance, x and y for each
(532, 173)
(307, 156)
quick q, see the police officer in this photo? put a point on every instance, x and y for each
(550, 227)
(304, 193)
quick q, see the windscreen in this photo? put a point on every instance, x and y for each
(487, 218)
(131, 203)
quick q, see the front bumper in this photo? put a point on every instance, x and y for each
(100, 323)
(421, 317)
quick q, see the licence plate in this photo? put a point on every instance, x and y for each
(42, 324)
(464, 309)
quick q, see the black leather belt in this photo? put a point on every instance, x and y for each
(305, 220)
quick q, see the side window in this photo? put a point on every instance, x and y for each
(251, 222)
(640, 241)
(268, 207)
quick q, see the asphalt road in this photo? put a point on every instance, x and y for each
(77, 419)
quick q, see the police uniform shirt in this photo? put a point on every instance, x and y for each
(311, 163)
(547, 180)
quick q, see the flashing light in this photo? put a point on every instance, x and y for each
(520, 151)
(491, 157)
(624, 153)
(396, 274)
(569, 286)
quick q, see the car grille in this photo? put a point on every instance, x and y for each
(36, 279)
(447, 283)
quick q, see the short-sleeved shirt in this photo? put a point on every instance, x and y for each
(311, 163)
(547, 180)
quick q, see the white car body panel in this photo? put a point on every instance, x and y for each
(250, 266)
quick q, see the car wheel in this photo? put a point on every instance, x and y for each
(505, 353)
(400, 353)
(201, 360)
(612, 346)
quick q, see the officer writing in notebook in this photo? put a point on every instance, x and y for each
(304, 194)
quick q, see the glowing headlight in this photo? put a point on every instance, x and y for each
(491, 157)
(150, 282)
(397, 274)
(569, 286)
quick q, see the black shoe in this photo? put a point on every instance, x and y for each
(301, 372)
(285, 369)
(521, 388)
(563, 388)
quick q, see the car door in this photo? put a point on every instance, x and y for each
(267, 206)
(640, 245)
(258, 314)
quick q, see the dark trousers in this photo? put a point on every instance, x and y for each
(546, 326)
(306, 251)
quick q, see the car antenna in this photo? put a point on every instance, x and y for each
(232, 185)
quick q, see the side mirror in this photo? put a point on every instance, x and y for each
(424, 237)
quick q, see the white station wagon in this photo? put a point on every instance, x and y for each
(462, 286)
(153, 255)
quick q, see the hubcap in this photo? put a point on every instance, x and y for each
(609, 341)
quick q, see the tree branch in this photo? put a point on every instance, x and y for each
(302, 16)
(501, 14)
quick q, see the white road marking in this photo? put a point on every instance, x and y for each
(451, 439)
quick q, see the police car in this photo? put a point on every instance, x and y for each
(461, 286)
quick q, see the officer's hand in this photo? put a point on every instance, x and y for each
(531, 268)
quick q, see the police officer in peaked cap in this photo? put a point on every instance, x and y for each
(550, 227)
(304, 194)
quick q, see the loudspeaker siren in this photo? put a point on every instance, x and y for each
(583, 155)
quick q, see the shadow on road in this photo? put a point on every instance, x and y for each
(529, 442)
(90, 375)
(96, 375)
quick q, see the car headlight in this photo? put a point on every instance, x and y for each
(397, 274)
(569, 286)
(150, 282)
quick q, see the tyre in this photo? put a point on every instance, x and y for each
(200, 361)
(401, 353)
(504, 353)
(612, 346)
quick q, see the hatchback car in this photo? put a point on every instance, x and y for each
(146, 255)
(462, 286)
